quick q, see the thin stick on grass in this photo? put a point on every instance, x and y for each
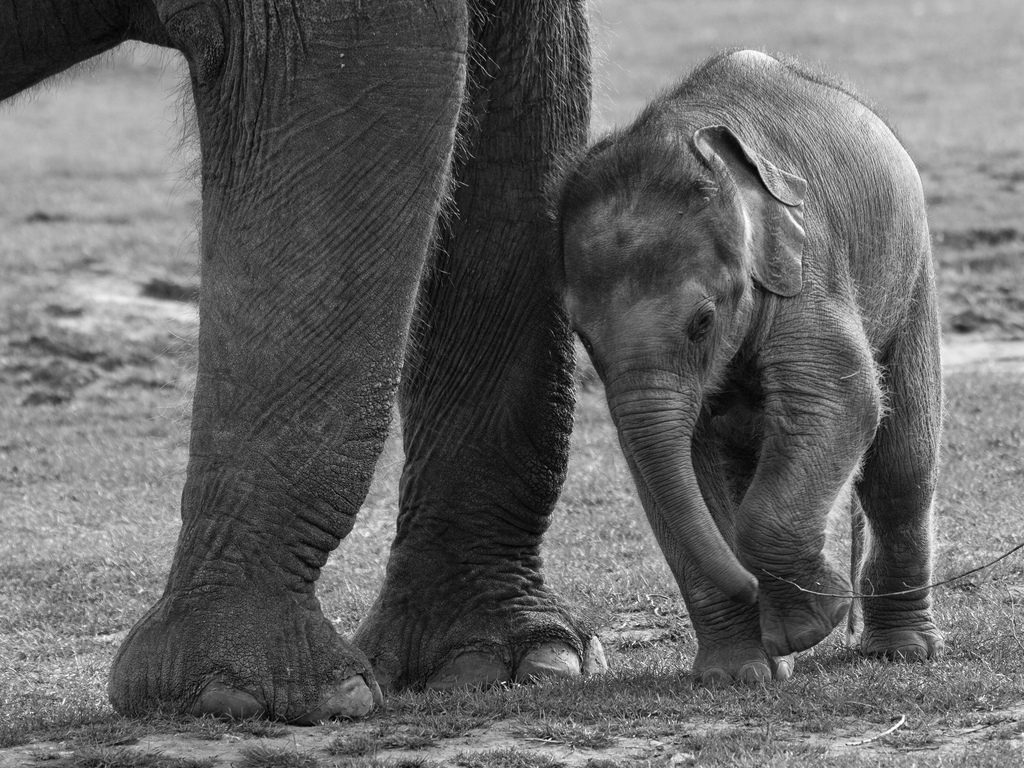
(891, 729)
(909, 591)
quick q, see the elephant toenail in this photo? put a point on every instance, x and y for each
(349, 699)
(547, 661)
(756, 672)
(474, 669)
(784, 666)
(378, 695)
(222, 700)
(715, 677)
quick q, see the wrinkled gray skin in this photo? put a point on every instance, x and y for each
(748, 266)
(328, 131)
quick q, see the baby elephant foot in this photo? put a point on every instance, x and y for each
(238, 654)
(903, 644)
(721, 667)
(796, 615)
(898, 626)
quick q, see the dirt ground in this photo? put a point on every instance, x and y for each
(292, 745)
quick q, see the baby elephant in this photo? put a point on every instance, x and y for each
(748, 266)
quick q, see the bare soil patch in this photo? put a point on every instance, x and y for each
(848, 741)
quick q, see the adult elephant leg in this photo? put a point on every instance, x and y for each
(326, 132)
(897, 491)
(822, 407)
(487, 391)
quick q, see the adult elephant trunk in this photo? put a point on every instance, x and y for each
(655, 425)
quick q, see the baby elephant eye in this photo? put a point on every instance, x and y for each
(701, 323)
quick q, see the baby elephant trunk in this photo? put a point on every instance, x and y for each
(655, 429)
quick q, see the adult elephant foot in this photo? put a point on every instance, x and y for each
(474, 629)
(798, 613)
(241, 655)
(918, 644)
(744, 663)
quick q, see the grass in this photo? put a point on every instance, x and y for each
(263, 756)
(572, 734)
(96, 361)
(123, 758)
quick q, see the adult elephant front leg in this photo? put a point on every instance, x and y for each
(326, 132)
(487, 390)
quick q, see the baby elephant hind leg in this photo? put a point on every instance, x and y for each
(897, 490)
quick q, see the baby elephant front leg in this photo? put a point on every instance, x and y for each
(822, 407)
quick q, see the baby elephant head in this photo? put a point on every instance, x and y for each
(665, 246)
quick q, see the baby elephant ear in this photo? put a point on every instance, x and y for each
(773, 201)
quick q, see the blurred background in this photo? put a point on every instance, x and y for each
(96, 173)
